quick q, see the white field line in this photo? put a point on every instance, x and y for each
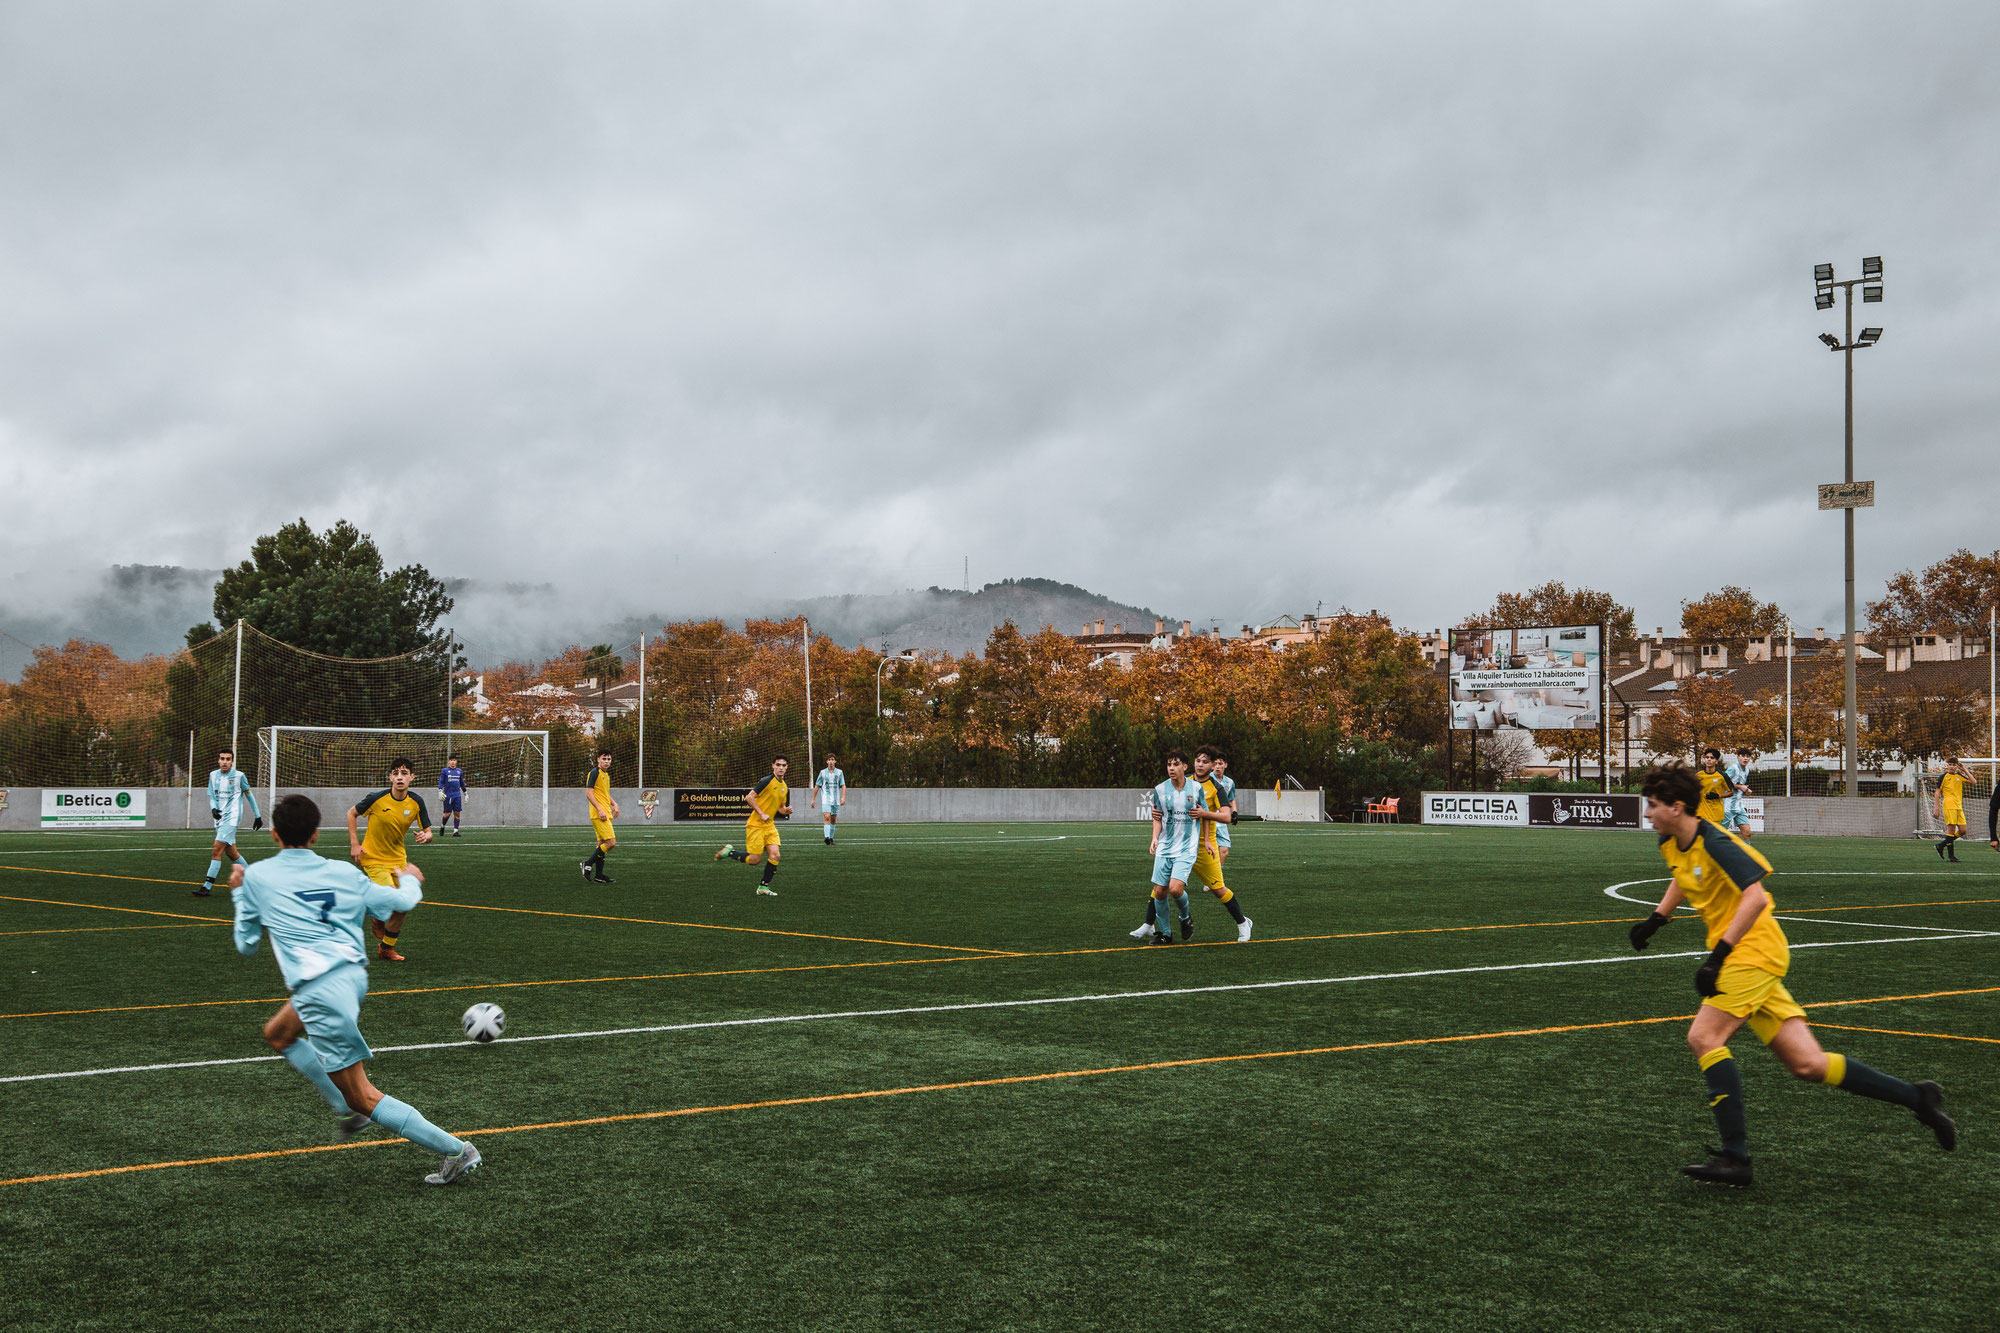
(1612, 892)
(993, 1004)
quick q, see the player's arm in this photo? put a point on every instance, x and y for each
(354, 832)
(1662, 914)
(423, 818)
(1154, 849)
(250, 794)
(383, 901)
(214, 798)
(249, 929)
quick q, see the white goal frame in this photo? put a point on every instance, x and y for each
(267, 742)
(1927, 777)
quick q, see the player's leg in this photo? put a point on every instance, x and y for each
(606, 840)
(330, 1008)
(771, 853)
(1208, 869)
(1952, 833)
(827, 821)
(1157, 911)
(387, 932)
(219, 855)
(401, 1118)
(285, 1033)
(1177, 898)
(1707, 1038)
(1162, 872)
(1793, 1042)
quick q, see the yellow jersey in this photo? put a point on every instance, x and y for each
(388, 821)
(598, 780)
(1715, 789)
(1712, 872)
(1951, 793)
(1211, 798)
(769, 796)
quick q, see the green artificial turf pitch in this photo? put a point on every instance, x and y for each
(1186, 1173)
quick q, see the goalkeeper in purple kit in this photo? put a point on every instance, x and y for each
(451, 796)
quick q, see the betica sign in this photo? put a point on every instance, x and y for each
(1483, 809)
(95, 807)
(1567, 810)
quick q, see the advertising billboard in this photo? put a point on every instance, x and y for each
(1477, 809)
(1542, 678)
(93, 807)
(712, 803)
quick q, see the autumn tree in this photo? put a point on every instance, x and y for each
(1704, 712)
(82, 714)
(1730, 614)
(1914, 725)
(1950, 597)
(1554, 603)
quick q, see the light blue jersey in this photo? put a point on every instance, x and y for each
(831, 782)
(1734, 812)
(226, 793)
(1180, 832)
(314, 910)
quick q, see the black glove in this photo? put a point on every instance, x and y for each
(215, 814)
(257, 823)
(1643, 931)
(1705, 975)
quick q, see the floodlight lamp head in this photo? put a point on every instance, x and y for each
(1830, 341)
(1869, 337)
(1870, 295)
(1872, 267)
(1824, 301)
(1822, 274)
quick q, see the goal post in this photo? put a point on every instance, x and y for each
(1978, 790)
(360, 757)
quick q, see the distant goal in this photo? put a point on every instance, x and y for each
(359, 757)
(1978, 791)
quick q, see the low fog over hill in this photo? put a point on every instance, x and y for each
(138, 609)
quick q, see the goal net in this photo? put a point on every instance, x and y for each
(506, 772)
(1978, 790)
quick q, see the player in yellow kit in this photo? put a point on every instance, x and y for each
(379, 853)
(603, 809)
(1716, 789)
(1950, 806)
(1208, 860)
(1742, 980)
(767, 800)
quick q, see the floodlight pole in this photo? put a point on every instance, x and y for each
(236, 694)
(1871, 279)
(1791, 650)
(806, 645)
(641, 775)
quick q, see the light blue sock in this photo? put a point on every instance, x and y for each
(829, 831)
(240, 861)
(214, 869)
(1181, 906)
(405, 1119)
(301, 1057)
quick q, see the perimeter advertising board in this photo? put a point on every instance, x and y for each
(93, 807)
(1477, 809)
(712, 803)
(1542, 678)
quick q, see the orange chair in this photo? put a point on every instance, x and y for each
(1384, 808)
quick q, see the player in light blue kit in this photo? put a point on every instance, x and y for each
(227, 790)
(313, 910)
(1225, 787)
(451, 795)
(1178, 807)
(1736, 814)
(829, 794)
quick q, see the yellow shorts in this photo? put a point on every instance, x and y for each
(1954, 814)
(1208, 868)
(1756, 995)
(383, 875)
(756, 837)
(602, 828)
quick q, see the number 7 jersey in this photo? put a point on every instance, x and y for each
(313, 910)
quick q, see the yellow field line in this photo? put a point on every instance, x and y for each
(1898, 1032)
(100, 907)
(1921, 995)
(90, 874)
(514, 985)
(703, 925)
(92, 930)
(1879, 907)
(825, 1098)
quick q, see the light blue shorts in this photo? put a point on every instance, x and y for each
(1222, 835)
(1167, 866)
(225, 833)
(330, 1007)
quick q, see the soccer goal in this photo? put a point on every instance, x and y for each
(350, 757)
(1978, 790)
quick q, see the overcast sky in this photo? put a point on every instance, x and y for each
(1227, 309)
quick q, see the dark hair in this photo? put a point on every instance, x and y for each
(604, 753)
(295, 819)
(1672, 783)
(1744, 749)
(1176, 754)
(779, 759)
(226, 750)
(1711, 750)
(400, 762)
(1207, 752)
(451, 759)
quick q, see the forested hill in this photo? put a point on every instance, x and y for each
(957, 622)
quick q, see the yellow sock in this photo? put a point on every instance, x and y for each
(1223, 894)
(1836, 1070)
(390, 940)
(1715, 1057)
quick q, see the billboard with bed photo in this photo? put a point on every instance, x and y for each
(1545, 678)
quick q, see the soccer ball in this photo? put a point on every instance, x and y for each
(484, 1022)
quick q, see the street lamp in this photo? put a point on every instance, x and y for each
(901, 657)
(1849, 497)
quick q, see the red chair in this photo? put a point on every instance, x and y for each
(1384, 809)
